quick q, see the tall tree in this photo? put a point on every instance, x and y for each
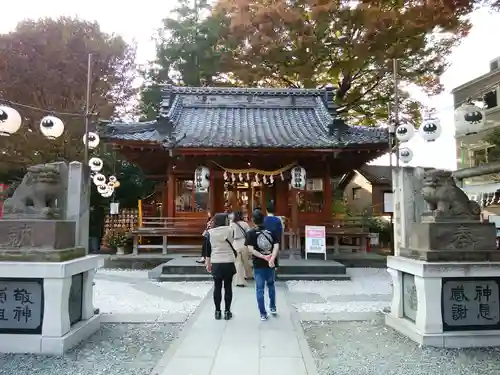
(311, 43)
(44, 64)
(188, 52)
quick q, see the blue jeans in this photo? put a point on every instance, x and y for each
(262, 277)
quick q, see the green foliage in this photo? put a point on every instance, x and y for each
(349, 45)
(44, 65)
(116, 237)
(133, 186)
(188, 53)
(378, 225)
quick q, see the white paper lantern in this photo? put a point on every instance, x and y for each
(430, 130)
(405, 132)
(108, 193)
(298, 177)
(93, 140)
(99, 180)
(96, 164)
(101, 189)
(10, 120)
(51, 127)
(405, 154)
(202, 177)
(112, 179)
(469, 119)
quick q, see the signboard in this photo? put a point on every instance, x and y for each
(114, 208)
(374, 239)
(471, 304)
(21, 306)
(315, 240)
(410, 301)
(75, 299)
(388, 202)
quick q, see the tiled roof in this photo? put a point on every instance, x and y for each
(377, 174)
(252, 118)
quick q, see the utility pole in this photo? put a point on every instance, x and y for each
(394, 148)
(396, 104)
(87, 109)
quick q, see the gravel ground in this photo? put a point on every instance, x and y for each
(368, 290)
(370, 348)
(118, 291)
(116, 349)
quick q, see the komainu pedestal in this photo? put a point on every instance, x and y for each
(46, 278)
(452, 240)
(447, 280)
(38, 241)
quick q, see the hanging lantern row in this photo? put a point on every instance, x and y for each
(105, 187)
(430, 130)
(50, 126)
(10, 122)
(469, 119)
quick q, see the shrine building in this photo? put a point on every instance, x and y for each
(248, 140)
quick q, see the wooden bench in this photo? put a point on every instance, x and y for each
(165, 227)
(336, 229)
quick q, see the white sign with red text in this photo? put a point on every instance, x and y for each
(315, 240)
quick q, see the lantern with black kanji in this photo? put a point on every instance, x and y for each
(202, 178)
(298, 177)
(430, 130)
(469, 119)
(10, 121)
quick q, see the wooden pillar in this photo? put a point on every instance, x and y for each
(263, 205)
(233, 201)
(295, 217)
(211, 194)
(171, 194)
(164, 198)
(327, 195)
(281, 199)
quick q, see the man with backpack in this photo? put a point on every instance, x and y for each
(274, 225)
(264, 247)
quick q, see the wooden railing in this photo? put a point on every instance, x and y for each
(172, 227)
(336, 229)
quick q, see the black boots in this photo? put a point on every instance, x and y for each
(227, 315)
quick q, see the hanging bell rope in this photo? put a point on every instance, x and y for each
(257, 171)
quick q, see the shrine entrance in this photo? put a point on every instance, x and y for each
(247, 196)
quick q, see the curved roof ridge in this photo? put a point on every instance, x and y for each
(184, 90)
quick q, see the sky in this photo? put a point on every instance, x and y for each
(135, 23)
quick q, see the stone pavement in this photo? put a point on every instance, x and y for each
(243, 345)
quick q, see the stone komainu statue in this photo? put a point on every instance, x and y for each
(445, 198)
(36, 196)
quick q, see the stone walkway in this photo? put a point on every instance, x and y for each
(243, 345)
